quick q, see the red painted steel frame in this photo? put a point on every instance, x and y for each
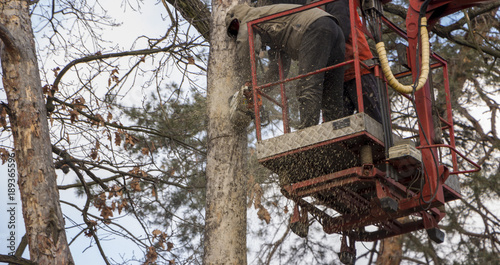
(423, 98)
(257, 89)
(348, 223)
(441, 63)
(432, 194)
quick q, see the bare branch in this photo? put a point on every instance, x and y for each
(277, 244)
(130, 234)
(446, 32)
(113, 55)
(67, 158)
(22, 246)
(15, 260)
(135, 129)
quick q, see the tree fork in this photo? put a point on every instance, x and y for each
(37, 178)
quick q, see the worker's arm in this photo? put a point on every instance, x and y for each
(272, 74)
(243, 50)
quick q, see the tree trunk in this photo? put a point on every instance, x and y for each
(391, 251)
(225, 221)
(28, 117)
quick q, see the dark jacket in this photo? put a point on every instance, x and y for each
(339, 9)
(283, 33)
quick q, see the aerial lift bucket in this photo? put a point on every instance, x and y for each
(353, 175)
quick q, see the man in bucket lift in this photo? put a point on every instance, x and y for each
(312, 37)
(340, 10)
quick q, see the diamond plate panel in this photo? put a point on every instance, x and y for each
(317, 134)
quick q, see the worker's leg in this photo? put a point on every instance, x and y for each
(332, 104)
(370, 97)
(317, 44)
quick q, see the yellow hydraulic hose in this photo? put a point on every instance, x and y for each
(424, 71)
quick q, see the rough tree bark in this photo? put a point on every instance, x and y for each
(225, 221)
(28, 117)
(391, 251)
(195, 12)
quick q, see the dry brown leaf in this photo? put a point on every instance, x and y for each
(73, 115)
(170, 246)
(156, 233)
(100, 119)
(130, 139)
(4, 155)
(135, 170)
(56, 71)
(251, 194)
(151, 256)
(135, 185)
(78, 103)
(118, 139)
(122, 205)
(258, 195)
(263, 214)
(106, 212)
(46, 89)
(93, 154)
(153, 192)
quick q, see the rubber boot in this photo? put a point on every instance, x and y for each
(330, 115)
(309, 114)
